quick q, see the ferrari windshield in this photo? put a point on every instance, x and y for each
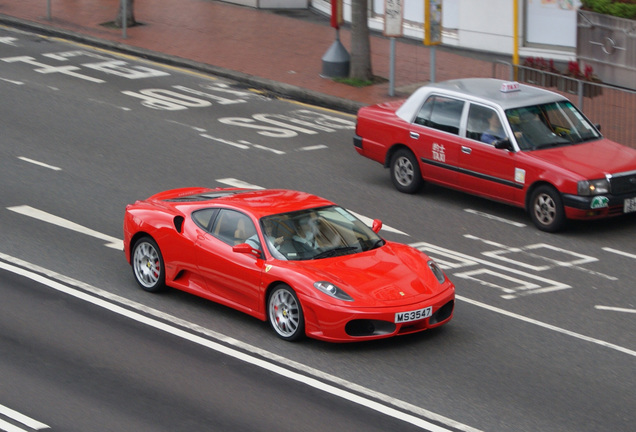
(317, 233)
(549, 125)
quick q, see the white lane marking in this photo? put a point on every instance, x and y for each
(528, 251)
(233, 144)
(619, 252)
(397, 410)
(548, 326)
(12, 81)
(238, 183)
(119, 107)
(244, 145)
(497, 218)
(195, 128)
(615, 309)
(368, 221)
(20, 418)
(315, 147)
(26, 210)
(511, 291)
(241, 184)
(42, 164)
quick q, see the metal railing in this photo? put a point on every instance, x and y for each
(613, 108)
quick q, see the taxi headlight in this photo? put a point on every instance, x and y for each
(593, 187)
(332, 290)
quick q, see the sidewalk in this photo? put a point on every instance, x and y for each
(277, 50)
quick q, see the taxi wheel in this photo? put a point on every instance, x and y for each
(546, 209)
(405, 172)
(285, 313)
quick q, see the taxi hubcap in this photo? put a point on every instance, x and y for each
(404, 172)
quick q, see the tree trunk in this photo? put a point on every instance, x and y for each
(130, 16)
(360, 67)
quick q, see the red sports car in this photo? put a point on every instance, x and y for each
(299, 261)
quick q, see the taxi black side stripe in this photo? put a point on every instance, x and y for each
(473, 173)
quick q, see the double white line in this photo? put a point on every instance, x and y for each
(20, 418)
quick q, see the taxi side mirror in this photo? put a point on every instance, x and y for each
(503, 144)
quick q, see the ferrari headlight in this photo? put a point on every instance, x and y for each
(593, 187)
(437, 271)
(332, 290)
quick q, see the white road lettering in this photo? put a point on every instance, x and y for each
(224, 88)
(167, 99)
(48, 69)
(25, 210)
(65, 55)
(268, 131)
(117, 68)
(218, 99)
(332, 122)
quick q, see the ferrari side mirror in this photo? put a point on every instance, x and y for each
(377, 225)
(246, 249)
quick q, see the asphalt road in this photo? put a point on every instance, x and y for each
(543, 336)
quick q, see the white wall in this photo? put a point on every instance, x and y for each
(486, 25)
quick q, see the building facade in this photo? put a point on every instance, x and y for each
(546, 28)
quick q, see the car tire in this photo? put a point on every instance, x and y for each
(546, 209)
(285, 314)
(148, 266)
(405, 172)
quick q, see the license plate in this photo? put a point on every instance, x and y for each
(402, 317)
(629, 205)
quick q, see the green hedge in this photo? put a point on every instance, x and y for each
(617, 8)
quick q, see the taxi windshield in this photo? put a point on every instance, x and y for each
(550, 125)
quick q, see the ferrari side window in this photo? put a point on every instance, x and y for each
(233, 227)
(204, 218)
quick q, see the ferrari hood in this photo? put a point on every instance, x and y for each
(391, 275)
(591, 160)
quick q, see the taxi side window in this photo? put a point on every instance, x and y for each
(484, 125)
(441, 113)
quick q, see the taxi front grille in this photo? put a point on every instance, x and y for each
(623, 183)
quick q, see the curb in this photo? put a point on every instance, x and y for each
(276, 88)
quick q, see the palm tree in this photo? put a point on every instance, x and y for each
(130, 16)
(360, 67)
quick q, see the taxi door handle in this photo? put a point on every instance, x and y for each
(414, 135)
(466, 150)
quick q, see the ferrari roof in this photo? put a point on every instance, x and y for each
(259, 202)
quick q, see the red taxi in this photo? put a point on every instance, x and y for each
(505, 141)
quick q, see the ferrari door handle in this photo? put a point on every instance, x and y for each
(414, 135)
(466, 150)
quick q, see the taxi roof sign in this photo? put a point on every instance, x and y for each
(510, 86)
